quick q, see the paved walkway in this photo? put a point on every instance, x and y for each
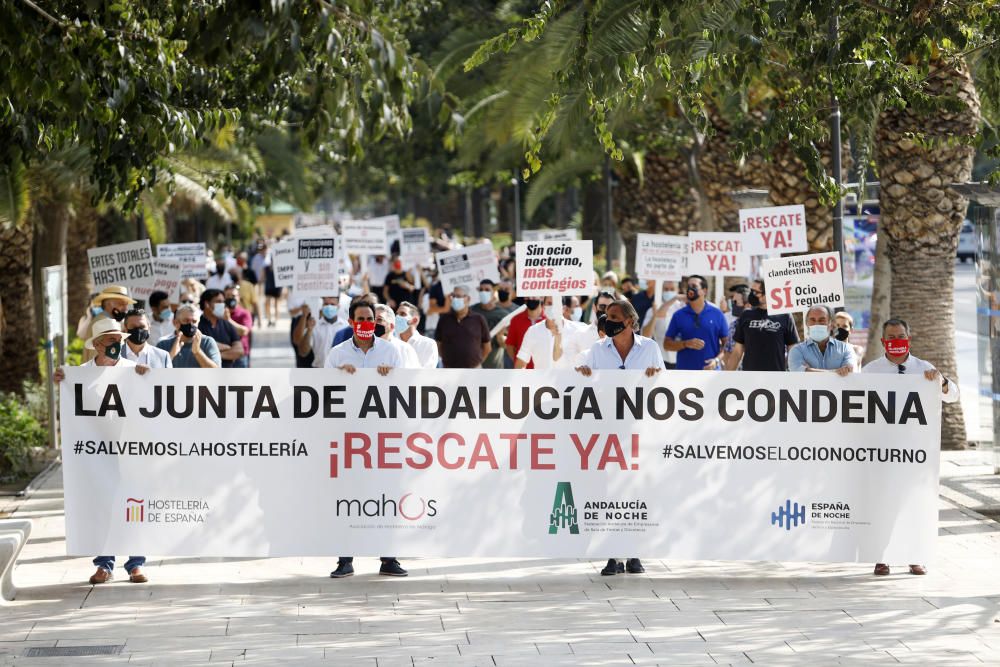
(509, 612)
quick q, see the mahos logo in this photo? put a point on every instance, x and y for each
(409, 507)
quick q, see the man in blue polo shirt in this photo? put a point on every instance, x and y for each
(698, 331)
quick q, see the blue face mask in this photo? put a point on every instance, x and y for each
(819, 332)
(166, 315)
(329, 312)
(457, 303)
(401, 325)
(96, 310)
(219, 309)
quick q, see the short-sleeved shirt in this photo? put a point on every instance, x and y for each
(381, 353)
(764, 339)
(492, 316)
(603, 355)
(462, 342)
(223, 332)
(807, 353)
(519, 325)
(709, 325)
(185, 357)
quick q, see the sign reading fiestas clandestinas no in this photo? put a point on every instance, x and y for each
(774, 230)
(129, 264)
(554, 268)
(794, 284)
(692, 465)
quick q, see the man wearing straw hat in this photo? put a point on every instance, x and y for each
(114, 302)
(106, 342)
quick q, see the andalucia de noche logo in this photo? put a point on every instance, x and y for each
(563, 510)
(135, 511)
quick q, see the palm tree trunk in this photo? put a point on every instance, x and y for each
(19, 362)
(921, 217)
(881, 299)
(51, 220)
(82, 235)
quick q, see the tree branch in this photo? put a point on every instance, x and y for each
(44, 14)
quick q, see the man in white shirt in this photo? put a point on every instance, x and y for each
(377, 271)
(385, 329)
(407, 318)
(365, 350)
(556, 342)
(137, 348)
(623, 349)
(221, 279)
(106, 342)
(317, 334)
(655, 323)
(161, 320)
(897, 359)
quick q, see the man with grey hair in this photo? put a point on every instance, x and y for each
(188, 347)
(385, 328)
(820, 352)
(463, 337)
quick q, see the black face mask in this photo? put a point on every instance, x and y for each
(138, 336)
(601, 321)
(113, 351)
(220, 269)
(503, 294)
(737, 310)
(188, 330)
(379, 330)
(612, 328)
(532, 304)
(117, 315)
(841, 334)
(692, 295)
(230, 304)
(754, 300)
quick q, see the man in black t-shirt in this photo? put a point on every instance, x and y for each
(762, 340)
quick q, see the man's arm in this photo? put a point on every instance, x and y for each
(305, 345)
(735, 357)
(211, 359)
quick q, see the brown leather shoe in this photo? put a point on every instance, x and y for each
(102, 576)
(881, 569)
(136, 576)
(918, 569)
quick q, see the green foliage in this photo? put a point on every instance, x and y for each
(20, 433)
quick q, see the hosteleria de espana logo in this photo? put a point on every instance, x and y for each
(135, 510)
(169, 510)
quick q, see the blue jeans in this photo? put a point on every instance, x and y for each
(108, 562)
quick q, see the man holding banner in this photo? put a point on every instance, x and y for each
(623, 349)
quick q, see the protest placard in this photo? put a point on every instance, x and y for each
(661, 257)
(284, 255)
(317, 268)
(415, 247)
(366, 237)
(128, 264)
(192, 257)
(555, 268)
(166, 278)
(793, 284)
(717, 254)
(535, 235)
(774, 230)
(492, 463)
(467, 267)
(306, 220)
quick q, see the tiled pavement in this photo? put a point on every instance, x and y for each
(507, 612)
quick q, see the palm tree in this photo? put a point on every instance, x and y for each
(921, 215)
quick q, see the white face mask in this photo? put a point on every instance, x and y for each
(485, 297)
(819, 332)
(577, 314)
(669, 295)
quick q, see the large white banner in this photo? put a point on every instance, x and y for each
(261, 462)
(467, 267)
(128, 264)
(554, 268)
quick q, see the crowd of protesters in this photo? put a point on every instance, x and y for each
(388, 315)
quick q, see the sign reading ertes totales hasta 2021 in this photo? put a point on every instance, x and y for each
(262, 462)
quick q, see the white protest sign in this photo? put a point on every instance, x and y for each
(554, 268)
(284, 255)
(683, 465)
(415, 247)
(366, 237)
(54, 278)
(305, 220)
(192, 257)
(535, 235)
(717, 254)
(661, 257)
(467, 267)
(128, 264)
(166, 278)
(774, 230)
(794, 284)
(317, 268)
(391, 231)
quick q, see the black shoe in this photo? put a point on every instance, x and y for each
(634, 566)
(344, 569)
(392, 568)
(613, 567)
